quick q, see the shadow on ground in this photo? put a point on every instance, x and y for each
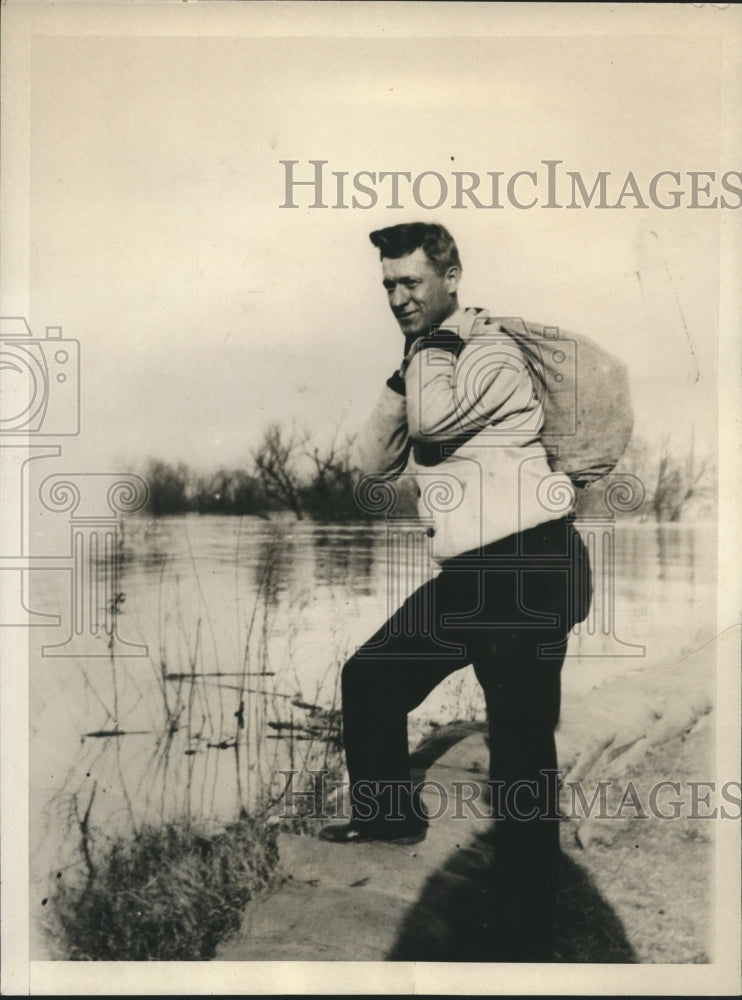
(458, 907)
(452, 919)
(433, 901)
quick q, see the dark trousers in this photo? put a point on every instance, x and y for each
(506, 609)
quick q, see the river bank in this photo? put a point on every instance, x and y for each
(247, 627)
(636, 884)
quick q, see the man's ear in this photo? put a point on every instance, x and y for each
(452, 278)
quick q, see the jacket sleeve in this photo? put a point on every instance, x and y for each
(383, 445)
(455, 388)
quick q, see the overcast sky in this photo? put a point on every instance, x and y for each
(206, 311)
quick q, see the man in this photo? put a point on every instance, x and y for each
(461, 414)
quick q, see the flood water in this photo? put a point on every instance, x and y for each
(245, 624)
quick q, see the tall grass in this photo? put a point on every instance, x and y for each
(168, 873)
(166, 893)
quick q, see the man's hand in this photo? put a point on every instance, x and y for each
(396, 381)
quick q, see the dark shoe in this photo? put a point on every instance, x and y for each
(351, 833)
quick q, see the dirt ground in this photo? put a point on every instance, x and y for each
(636, 885)
(656, 874)
(639, 891)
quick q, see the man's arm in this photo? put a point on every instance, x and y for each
(383, 445)
(455, 388)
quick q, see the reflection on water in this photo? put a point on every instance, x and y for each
(676, 553)
(663, 575)
(344, 558)
(247, 623)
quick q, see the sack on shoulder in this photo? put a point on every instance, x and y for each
(588, 416)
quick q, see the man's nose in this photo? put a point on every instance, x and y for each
(399, 297)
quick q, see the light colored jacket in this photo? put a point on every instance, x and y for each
(463, 418)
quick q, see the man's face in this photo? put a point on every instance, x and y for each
(419, 297)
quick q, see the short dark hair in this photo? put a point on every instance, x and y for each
(435, 240)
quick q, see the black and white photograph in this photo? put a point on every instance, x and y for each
(370, 468)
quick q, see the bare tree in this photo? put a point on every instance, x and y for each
(275, 465)
(678, 482)
(671, 477)
(329, 496)
(169, 487)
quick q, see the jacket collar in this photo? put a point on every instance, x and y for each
(462, 321)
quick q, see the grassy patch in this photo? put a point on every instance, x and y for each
(167, 893)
